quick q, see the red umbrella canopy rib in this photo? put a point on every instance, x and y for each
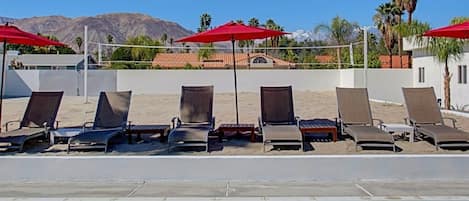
(14, 35)
(231, 31)
(453, 31)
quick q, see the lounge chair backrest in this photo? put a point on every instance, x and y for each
(421, 105)
(196, 104)
(42, 108)
(277, 105)
(113, 109)
(354, 106)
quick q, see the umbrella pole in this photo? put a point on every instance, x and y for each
(3, 80)
(235, 81)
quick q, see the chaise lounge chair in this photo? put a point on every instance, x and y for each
(425, 116)
(356, 119)
(110, 120)
(278, 123)
(38, 118)
(195, 122)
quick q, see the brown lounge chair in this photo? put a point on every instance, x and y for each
(110, 121)
(38, 118)
(356, 119)
(195, 120)
(425, 116)
(278, 123)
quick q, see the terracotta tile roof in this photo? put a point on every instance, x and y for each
(218, 60)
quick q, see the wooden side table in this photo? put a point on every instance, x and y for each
(319, 126)
(147, 129)
(237, 128)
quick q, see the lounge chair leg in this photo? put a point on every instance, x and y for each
(206, 147)
(394, 148)
(263, 147)
(68, 148)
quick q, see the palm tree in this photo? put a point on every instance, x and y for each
(79, 42)
(253, 22)
(171, 43)
(205, 21)
(399, 4)
(164, 38)
(110, 39)
(445, 49)
(340, 32)
(410, 6)
(385, 20)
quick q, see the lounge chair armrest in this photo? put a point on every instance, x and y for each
(453, 121)
(380, 123)
(261, 124)
(297, 120)
(212, 124)
(10, 122)
(175, 122)
(86, 125)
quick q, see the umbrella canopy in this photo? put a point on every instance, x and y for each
(452, 31)
(14, 35)
(232, 31)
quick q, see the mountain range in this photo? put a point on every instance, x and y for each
(120, 26)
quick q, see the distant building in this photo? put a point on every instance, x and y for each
(219, 61)
(428, 72)
(396, 62)
(49, 62)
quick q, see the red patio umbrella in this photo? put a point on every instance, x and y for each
(232, 31)
(452, 31)
(12, 34)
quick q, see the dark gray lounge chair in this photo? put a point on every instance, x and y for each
(278, 123)
(195, 120)
(425, 116)
(356, 119)
(110, 120)
(38, 118)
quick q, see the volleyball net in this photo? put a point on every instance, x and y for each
(220, 56)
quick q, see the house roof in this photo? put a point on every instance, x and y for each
(217, 60)
(49, 59)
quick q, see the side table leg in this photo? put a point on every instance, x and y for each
(129, 137)
(334, 135)
(221, 135)
(253, 135)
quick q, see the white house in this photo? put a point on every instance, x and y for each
(428, 71)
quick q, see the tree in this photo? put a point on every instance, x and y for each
(340, 32)
(131, 55)
(206, 52)
(205, 21)
(445, 49)
(110, 40)
(241, 43)
(385, 20)
(164, 38)
(410, 6)
(79, 43)
(400, 5)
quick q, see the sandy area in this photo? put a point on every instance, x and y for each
(159, 109)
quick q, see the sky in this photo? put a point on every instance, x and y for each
(293, 15)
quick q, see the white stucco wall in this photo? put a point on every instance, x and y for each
(382, 84)
(21, 83)
(434, 77)
(170, 81)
